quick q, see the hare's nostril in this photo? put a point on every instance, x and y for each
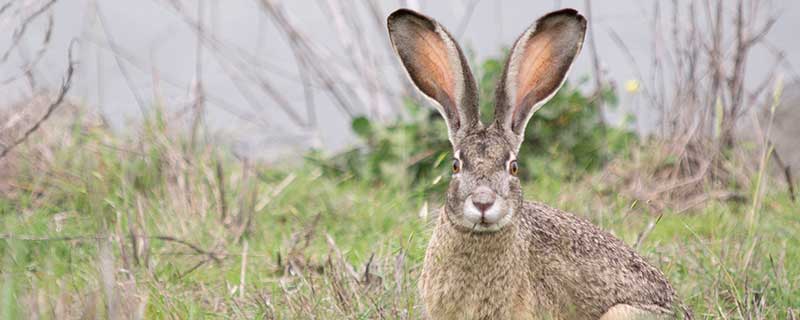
(482, 206)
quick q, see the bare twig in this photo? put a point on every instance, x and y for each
(66, 84)
(313, 60)
(647, 230)
(787, 172)
(466, 17)
(8, 236)
(216, 257)
(697, 87)
(198, 92)
(598, 74)
(132, 61)
(19, 32)
(29, 65)
(366, 268)
(221, 200)
(193, 268)
(236, 67)
(5, 7)
(122, 69)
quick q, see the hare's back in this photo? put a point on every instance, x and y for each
(588, 267)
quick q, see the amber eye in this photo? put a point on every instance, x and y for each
(456, 166)
(513, 168)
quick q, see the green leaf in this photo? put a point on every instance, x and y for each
(362, 127)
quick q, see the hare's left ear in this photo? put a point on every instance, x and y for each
(437, 67)
(537, 67)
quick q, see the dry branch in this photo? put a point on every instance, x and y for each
(66, 84)
(19, 32)
(211, 255)
(697, 88)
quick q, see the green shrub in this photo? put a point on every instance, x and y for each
(566, 138)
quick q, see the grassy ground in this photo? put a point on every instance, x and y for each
(98, 226)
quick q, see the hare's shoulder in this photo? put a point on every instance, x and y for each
(590, 264)
(577, 239)
(554, 227)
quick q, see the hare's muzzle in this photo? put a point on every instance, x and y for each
(484, 210)
(483, 199)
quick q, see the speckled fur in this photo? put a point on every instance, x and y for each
(540, 262)
(547, 263)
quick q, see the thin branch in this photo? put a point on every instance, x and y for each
(787, 172)
(222, 103)
(198, 92)
(236, 68)
(8, 236)
(27, 69)
(5, 7)
(20, 30)
(65, 86)
(122, 70)
(598, 76)
(211, 255)
(312, 58)
(465, 19)
(215, 256)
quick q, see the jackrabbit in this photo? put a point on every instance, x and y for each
(493, 255)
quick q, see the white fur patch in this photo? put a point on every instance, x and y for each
(497, 217)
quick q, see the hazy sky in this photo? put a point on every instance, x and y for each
(156, 48)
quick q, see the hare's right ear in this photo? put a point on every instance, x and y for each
(537, 67)
(437, 67)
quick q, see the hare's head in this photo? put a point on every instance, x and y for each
(484, 191)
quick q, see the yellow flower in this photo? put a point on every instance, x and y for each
(632, 86)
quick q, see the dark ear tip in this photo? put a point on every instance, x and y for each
(405, 13)
(569, 13)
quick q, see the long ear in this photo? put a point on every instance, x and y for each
(537, 67)
(437, 67)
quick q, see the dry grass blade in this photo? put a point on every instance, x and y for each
(7, 236)
(215, 256)
(787, 173)
(163, 220)
(643, 235)
(107, 278)
(243, 270)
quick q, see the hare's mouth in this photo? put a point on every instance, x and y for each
(486, 219)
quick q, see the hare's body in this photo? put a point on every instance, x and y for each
(573, 271)
(492, 255)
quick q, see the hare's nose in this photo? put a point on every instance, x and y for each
(482, 206)
(483, 198)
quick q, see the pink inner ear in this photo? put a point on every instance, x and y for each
(533, 76)
(435, 68)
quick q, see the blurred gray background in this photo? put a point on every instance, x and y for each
(137, 55)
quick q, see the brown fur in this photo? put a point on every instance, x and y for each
(546, 264)
(552, 264)
(530, 261)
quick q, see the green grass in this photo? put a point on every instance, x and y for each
(309, 238)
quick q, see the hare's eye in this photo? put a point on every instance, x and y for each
(456, 166)
(513, 168)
